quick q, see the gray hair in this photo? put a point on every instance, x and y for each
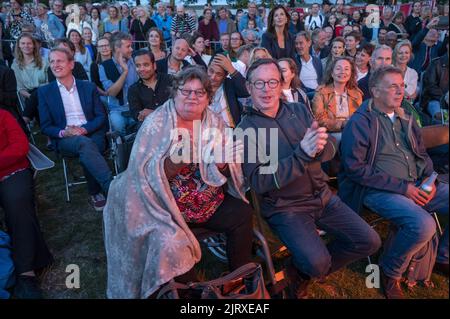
(378, 75)
(188, 74)
(381, 47)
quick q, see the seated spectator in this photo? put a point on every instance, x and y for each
(89, 43)
(362, 59)
(295, 197)
(391, 39)
(309, 67)
(413, 23)
(151, 90)
(277, 38)
(224, 43)
(197, 44)
(176, 60)
(117, 75)
(337, 50)
(243, 59)
(435, 86)
(329, 32)
(258, 53)
(228, 86)
(250, 37)
(314, 20)
(426, 47)
(251, 28)
(163, 22)
(173, 196)
(96, 23)
(291, 85)
(30, 71)
(74, 118)
(224, 23)
(384, 172)
(182, 23)
(236, 41)
(381, 56)
(296, 24)
(251, 14)
(156, 44)
(29, 250)
(401, 56)
(104, 53)
(341, 24)
(338, 98)
(82, 55)
(319, 48)
(78, 71)
(397, 25)
(352, 41)
(140, 27)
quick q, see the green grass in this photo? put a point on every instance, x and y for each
(74, 235)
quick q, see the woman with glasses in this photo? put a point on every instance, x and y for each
(104, 53)
(339, 97)
(236, 40)
(164, 193)
(277, 39)
(156, 43)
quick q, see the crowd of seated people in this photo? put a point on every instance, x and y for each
(338, 83)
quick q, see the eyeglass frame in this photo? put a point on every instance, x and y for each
(264, 84)
(198, 93)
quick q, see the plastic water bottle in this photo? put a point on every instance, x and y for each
(427, 186)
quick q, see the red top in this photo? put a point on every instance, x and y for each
(210, 32)
(13, 145)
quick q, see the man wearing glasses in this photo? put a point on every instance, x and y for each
(295, 197)
(384, 163)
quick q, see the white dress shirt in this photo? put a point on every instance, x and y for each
(308, 74)
(72, 104)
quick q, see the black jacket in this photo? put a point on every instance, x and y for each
(234, 88)
(162, 67)
(435, 80)
(297, 184)
(269, 41)
(8, 89)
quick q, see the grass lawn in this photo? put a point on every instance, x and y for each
(74, 234)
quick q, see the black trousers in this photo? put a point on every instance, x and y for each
(29, 250)
(234, 218)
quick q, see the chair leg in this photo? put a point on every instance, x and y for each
(438, 224)
(66, 180)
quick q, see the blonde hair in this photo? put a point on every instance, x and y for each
(18, 54)
(398, 46)
(253, 54)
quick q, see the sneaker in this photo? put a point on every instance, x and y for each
(98, 201)
(27, 287)
(391, 287)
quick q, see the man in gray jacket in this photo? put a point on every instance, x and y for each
(295, 197)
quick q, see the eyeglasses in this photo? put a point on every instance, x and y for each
(273, 84)
(198, 93)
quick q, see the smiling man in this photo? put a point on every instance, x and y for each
(384, 162)
(151, 90)
(295, 198)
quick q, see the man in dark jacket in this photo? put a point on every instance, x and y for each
(295, 197)
(383, 164)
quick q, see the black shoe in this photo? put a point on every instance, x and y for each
(441, 268)
(27, 287)
(391, 287)
(298, 286)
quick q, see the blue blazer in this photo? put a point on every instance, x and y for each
(52, 114)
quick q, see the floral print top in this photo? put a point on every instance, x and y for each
(16, 21)
(196, 200)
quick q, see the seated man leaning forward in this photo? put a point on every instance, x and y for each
(384, 162)
(171, 185)
(295, 197)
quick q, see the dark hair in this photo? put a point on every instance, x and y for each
(354, 34)
(188, 74)
(304, 34)
(146, 52)
(66, 41)
(161, 36)
(295, 83)
(328, 78)
(82, 47)
(260, 62)
(194, 38)
(367, 47)
(271, 27)
(207, 9)
(377, 75)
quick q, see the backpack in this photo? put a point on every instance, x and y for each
(6, 266)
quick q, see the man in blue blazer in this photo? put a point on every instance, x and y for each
(74, 118)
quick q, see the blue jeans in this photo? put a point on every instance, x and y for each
(415, 226)
(354, 238)
(119, 122)
(89, 149)
(434, 107)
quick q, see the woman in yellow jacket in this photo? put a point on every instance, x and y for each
(339, 97)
